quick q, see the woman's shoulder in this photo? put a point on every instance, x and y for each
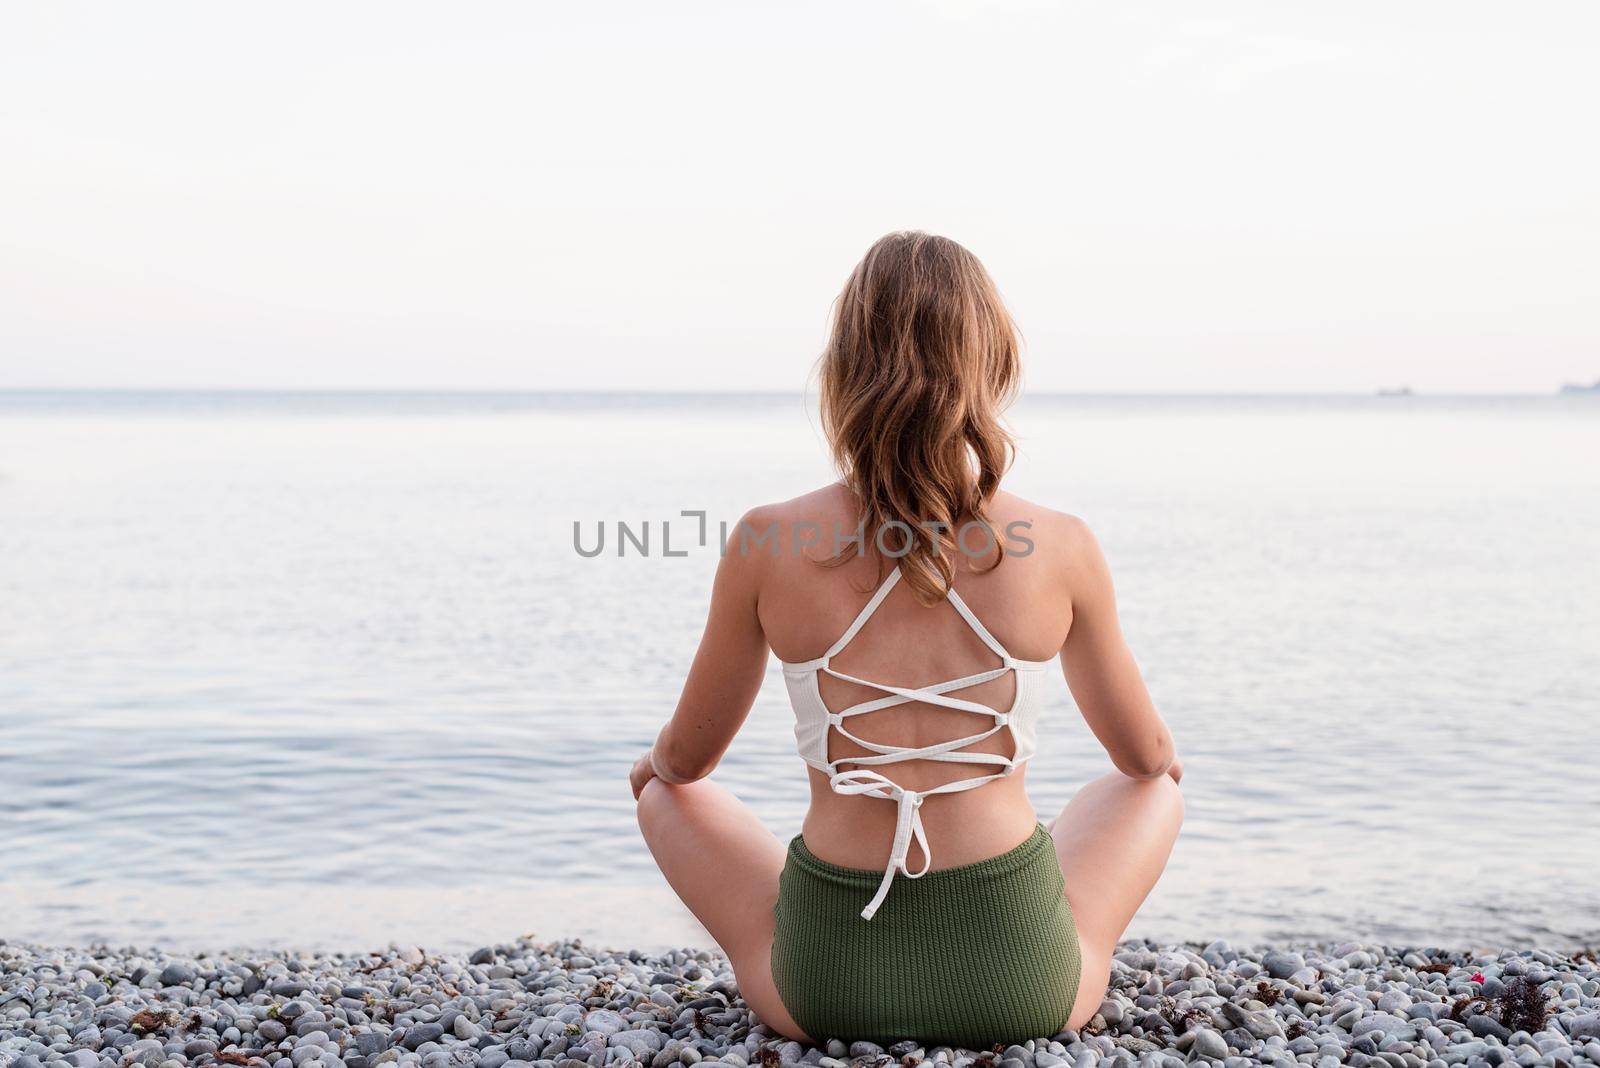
(826, 518)
(1062, 534)
(826, 504)
(790, 529)
(834, 501)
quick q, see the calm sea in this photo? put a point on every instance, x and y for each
(326, 670)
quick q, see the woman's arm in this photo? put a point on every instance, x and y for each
(723, 680)
(1102, 674)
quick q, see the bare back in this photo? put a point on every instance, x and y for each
(1025, 602)
(1055, 601)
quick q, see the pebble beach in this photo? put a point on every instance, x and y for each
(567, 1005)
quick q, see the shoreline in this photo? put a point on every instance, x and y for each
(564, 1004)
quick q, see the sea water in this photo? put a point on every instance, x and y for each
(326, 670)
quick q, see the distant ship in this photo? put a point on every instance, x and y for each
(1403, 391)
(1573, 387)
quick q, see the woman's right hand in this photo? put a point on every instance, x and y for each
(643, 771)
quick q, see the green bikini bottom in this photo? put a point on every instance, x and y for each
(968, 956)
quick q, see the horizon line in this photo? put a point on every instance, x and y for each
(1385, 392)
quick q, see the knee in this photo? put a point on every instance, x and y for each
(660, 801)
(1168, 798)
(1162, 791)
(1164, 786)
(654, 799)
(1174, 796)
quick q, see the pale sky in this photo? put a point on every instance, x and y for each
(1273, 196)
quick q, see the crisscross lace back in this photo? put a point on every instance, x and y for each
(814, 720)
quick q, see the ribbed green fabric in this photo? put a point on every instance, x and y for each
(964, 956)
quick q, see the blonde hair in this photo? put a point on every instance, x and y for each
(922, 359)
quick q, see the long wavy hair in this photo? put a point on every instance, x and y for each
(922, 359)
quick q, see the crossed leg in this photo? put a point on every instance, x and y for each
(1113, 840)
(724, 864)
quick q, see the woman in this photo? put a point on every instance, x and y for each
(923, 898)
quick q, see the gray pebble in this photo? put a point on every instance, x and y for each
(1281, 965)
(176, 974)
(543, 1005)
(1385, 1023)
(1207, 1043)
(642, 1044)
(370, 1043)
(418, 1034)
(1487, 1027)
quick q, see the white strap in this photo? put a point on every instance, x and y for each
(878, 703)
(942, 758)
(978, 628)
(933, 751)
(929, 695)
(864, 615)
(962, 785)
(908, 822)
(863, 780)
(907, 826)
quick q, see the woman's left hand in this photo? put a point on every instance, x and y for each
(642, 773)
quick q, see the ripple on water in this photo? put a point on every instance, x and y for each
(343, 672)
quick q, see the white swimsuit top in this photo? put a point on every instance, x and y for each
(813, 720)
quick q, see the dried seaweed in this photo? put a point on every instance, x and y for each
(1268, 994)
(1179, 1022)
(1523, 1006)
(1519, 1005)
(1438, 968)
(146, 1020)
